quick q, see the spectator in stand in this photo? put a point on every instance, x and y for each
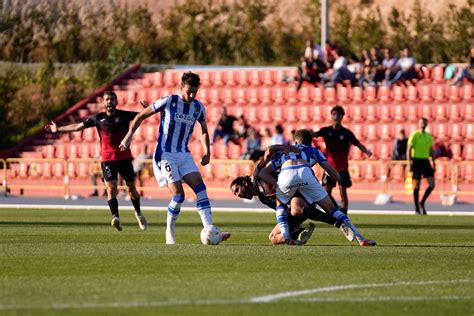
(389, 63)
(338, 140)
(266, 137)
(253, 145)
(442, 150)
(139, 164)
(376, 65)
(278, 138)
(312, 65)
(405, 68)
(467, 72)
(242, 130)
(225, 127)
(399, 148)
(339, 71)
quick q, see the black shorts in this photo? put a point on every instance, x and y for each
(421, 167)
(345, 179)
(111, 169)
(294, 225)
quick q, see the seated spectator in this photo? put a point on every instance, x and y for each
(266, 137)
(467, 72)
(241, 130)
(224, 128)
(339, 71)
(399, 149)
(389, 63)
(312, 65)
(378, 73)
(278, 138)
(405, 68)
(95, 174)
(253, 144)
(442, 150)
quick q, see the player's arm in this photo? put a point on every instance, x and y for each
(364, 149)
(137, 121)
(409, 156)
(433, 158)
(53, 128)
(206, 144)
(266, 174)
(331, 171)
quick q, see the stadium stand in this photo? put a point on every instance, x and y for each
(260, 94)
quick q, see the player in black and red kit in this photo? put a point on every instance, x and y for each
(338, 140)
(112, 125)
(246, 188)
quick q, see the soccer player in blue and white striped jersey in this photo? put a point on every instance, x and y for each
(172, 160)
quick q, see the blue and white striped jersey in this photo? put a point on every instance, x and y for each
(178, 119)
(310, 154)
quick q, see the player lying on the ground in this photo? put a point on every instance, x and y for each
(296, 176)
(246, 188)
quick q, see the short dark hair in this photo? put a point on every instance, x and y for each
(191, 79)
(110, 94)
(240, 181)
(303, 136)
(338, 109)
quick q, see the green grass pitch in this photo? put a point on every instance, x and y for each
(71, 262)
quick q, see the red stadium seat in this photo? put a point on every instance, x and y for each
(73, 151)
(467, 173)
(305, 113)
(425, 93)
(279, 96)
(47, 170)
(469, 112)
(370, 94)
(215, 96)
(253, 96)
(385, 132)
(291, 113)
(399, 112)
(208, 172)
(343, 94)
(441, 132)
(468, 151)
(439, 93)
(49, 151)
(83, 170)
(427, 111)
(269, 78)
(437, 74)
(330, 94)
(397, 172)
(34, 170)
(241, 97)
(266, 96)
(280, 116)
(265, 113)
(469, 134)
(157, 79)
(456, 132)
(318, 94)
(440, 114)
(243, 78)
(385, 151)
(84, 151)
(222, 151)
(454, 94)
(371, 132)
(371, 113)
(58, 170)
(357, 113)
(218, 78)
(385, 114)
(228, 96)
(71, 170)
(358, 130)
(370, 172)
(306, 95)
(255, 77)
(357, 95)
(235, 151)
(456, 149)
(230, 78)
(412, 94)
(291, 95)
(206, 78)
(398, 94)
(170, 78)
(319, 114)
(455, 112)
(383, 94)
(466, 92)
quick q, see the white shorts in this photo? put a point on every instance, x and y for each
(299, 178)
(173, 167)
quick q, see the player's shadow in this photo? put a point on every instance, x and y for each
(416, 226)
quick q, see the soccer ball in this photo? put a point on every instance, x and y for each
(211, 235)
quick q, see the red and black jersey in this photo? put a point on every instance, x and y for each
(338, 143)
(112, 129)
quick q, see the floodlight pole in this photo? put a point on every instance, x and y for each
(324, 25)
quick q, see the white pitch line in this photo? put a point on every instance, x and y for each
(283, 295)
(215, 209)
(259, 299)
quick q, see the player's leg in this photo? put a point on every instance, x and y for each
(416, 179)
(276, 236)
(343, 185)
(110, 178)
(125, 169)
(428, 173)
